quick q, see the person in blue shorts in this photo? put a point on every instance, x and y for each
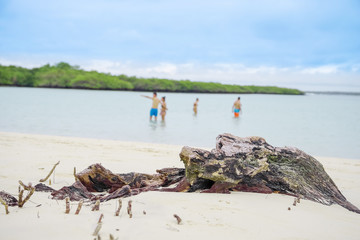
(237, 108)
(154, 106)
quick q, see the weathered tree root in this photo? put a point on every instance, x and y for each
(129, 210)
(67, 203)
(96, 207)
(9, 199)
(119, 208)
(52, 170)
(26, 187)
(21, 201)
(79, 207)
(5, 205)
(98, 226)
(178, 219)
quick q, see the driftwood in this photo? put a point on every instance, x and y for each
(236, 164)
(67, 203)
(8, 199)
(29, 194)
(129, 209)
(96, 178)
(5, 205)
(79, 207)
(75, 192)
(40, 187)
(52, 170)
(251, 164)
(119, 208)
(178, 219)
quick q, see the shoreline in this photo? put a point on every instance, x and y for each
(29, 157)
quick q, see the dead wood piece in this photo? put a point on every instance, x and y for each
(40, 187)
(125, 191)
(96, 178)
(257, 166)
(98, 226)
(129, 210)
(75, 192)
(30, 193)
(79, 207)
(26, 187)
(52, 170)
(67, 202)
(76, 179)
(5, 205)
(8, 199)
(96, 207)
(178, 219)
(119, 208)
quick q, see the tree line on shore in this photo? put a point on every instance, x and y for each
(63, 75)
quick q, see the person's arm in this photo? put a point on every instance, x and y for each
(146, 96)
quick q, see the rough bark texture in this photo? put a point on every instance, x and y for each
(251, 164)
(8, 198)
(75, 192)
(96, 178)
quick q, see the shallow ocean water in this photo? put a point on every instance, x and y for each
(321, 125)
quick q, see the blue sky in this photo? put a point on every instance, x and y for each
(307, 44)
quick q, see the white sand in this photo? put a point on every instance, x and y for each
(205, 216)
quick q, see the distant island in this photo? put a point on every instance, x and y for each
(63, 75)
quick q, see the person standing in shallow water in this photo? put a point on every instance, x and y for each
(237, 108)
(163, 109)
(154, 106)
(195, 106)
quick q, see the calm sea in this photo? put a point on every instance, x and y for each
(321, 125)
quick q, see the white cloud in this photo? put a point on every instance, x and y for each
(328, 69)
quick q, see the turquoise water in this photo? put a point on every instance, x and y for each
(322, 125)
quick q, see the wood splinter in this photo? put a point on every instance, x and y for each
(5, 205)
(76, 178)
(26, 187)
(96, 207)
(119, 208)
(129, 211)
(79, 207)
(67, 199)
(52, 170)
(99, 225)
(178, 219)
(21, 201)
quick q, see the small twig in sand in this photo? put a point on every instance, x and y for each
(294, 203)
(75, 174)
(67, 202)
(52, 170)
(119, 208)
(298, 199)
(30, 193)
(129, 211)
(5, 205)
(21, 193)
(96, 207)
(79, 207)
(26, 187)
(178, 219)
(99, 225)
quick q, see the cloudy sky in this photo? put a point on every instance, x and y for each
(306, 44)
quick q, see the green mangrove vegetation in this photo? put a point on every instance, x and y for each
(63, 75)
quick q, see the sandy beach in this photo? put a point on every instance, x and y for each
(204, 216)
